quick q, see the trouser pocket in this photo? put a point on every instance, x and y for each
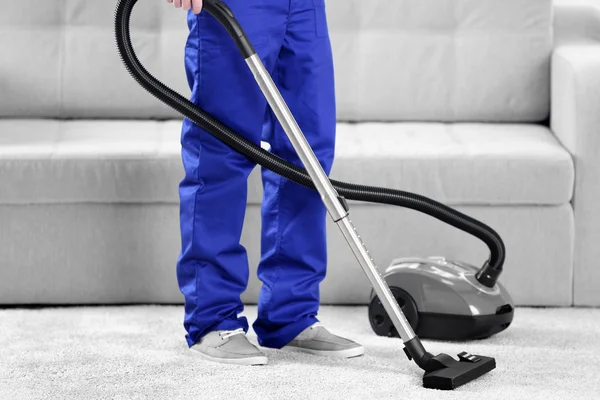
(320, 18)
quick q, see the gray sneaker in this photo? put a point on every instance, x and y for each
(319, 341)
(229, 347)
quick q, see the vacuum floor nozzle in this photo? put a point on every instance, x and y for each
(457, 373)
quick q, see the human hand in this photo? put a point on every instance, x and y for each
(194, 5)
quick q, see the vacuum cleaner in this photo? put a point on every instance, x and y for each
(442, 300)
(430, 278)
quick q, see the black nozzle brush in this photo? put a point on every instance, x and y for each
(444, 372)
(457, 373)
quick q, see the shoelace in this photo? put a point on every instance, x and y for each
(226, 334)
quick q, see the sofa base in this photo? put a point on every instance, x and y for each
(126, 253)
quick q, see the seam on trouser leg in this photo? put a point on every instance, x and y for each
(277, 252)
(198, 78)
(194, 206)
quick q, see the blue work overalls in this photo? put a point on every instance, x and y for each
(291, 37)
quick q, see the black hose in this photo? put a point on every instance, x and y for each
(489, 272)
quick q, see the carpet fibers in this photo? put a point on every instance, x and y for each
(138, 352)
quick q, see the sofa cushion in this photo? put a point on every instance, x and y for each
(427, 60)
(458, 163)
(442, 60)
(47, 161)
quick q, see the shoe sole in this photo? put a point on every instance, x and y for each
(348, 353)
(258, 360)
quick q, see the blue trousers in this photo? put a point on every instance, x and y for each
(291, 38)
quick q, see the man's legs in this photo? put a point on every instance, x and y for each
(212, 269)
(294, 248)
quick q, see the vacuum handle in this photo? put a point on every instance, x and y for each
(222, 13)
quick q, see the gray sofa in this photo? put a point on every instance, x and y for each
(492, 107)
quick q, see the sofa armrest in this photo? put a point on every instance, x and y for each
(575, 120)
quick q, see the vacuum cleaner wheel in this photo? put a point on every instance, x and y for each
(381, 322)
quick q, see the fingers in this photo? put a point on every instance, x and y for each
(196, 6)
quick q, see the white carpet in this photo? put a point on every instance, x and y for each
(140, 353)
